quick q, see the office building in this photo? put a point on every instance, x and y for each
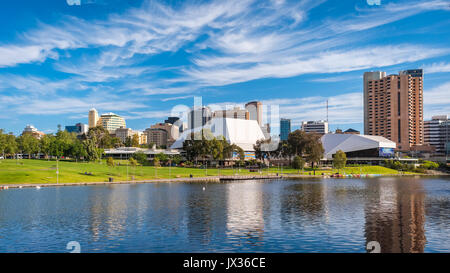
(79, 128)
(319, 126)
(30, 129)
(172, 120)
(93, 118)
(124, 133)
(255, 110)
(111, 122)
(285, 128)
(162, 134)
(236, 112)
(393, 107)
(198, 117)
(437, 134)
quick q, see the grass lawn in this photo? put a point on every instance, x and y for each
(43, 171)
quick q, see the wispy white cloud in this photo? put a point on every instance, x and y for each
(436, 68)
(323, 62)
(437, 100)
(225, 42)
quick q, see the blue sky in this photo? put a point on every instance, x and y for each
(139, 58)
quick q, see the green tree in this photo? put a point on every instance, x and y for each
(430, 165)
(216, 149)
(110, 162)
(140, 157)
(3, 143)
(339, 160)
(156, 162)
(162, 157)
(28, 144)
(45, 144)
(127, 142)
(297, 142)
(92, 153)
(298, 163)
(133, 162)
(176, 159)
(12, 146)
(313, 149)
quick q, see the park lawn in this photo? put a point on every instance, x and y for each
(43, 171)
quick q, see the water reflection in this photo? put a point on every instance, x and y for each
(395, 215)
(245, 219)
(331, 215)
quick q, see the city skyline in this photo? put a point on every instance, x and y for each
(58, 63)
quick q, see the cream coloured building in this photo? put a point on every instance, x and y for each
(111, 122)
(93, 118)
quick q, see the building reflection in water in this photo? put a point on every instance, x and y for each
(395, 215)
(245, 212)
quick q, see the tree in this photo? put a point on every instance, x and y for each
(92, 153)
(216, 149)
(127, 142)
(162, 157)
(28, 144)
(11, 144)
(298, 163)
(45, 144)
(110, 162)
(313, 149)
(140, 157)
(339, 160)
(135, 140)
(3, 143)
(156, 162)
(297, 142)
(176, 159)
(133, 162)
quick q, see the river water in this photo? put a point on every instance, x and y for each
(330, 215)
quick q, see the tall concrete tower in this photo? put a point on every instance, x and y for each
(93, 118)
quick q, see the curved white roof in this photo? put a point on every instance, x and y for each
(241, 132)
(350, 143)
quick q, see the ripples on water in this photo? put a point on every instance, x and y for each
(333, 215)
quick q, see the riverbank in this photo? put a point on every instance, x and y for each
(213, 179)
(42, 172)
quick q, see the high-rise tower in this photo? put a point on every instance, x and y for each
(93, 118)
(255, 109)
(393, 107)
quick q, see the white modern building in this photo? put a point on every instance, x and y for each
(241, 132)
(357, 146)
(319, 126)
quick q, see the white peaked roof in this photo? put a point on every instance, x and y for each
(350, 143)
(241, 132)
